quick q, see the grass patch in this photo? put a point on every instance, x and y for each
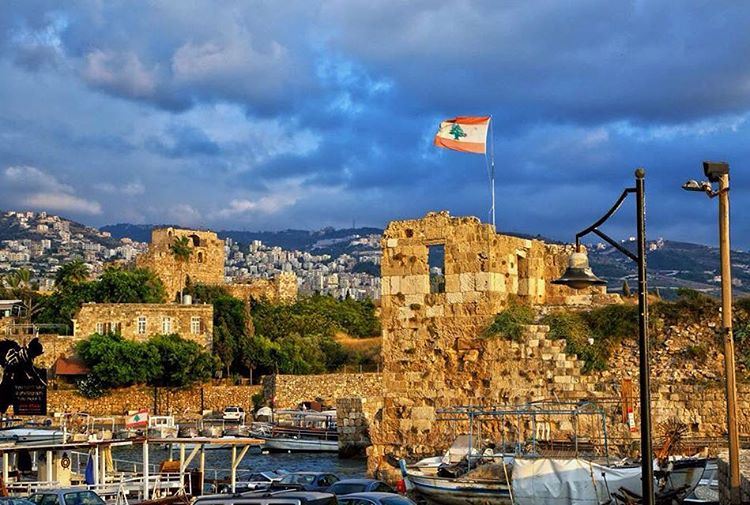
(510, 322)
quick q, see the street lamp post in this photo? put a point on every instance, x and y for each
(579, 276)
(719, 173)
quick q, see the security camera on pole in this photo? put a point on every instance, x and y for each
(718, 172)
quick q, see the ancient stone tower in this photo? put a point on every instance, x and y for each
(205, 264)
(443, 280)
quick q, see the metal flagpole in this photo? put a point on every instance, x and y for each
(492, 172)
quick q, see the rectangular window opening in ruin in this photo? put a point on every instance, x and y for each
(436, 264)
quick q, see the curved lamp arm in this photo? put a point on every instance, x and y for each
(594, 228)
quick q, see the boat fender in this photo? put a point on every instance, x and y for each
(402, 466)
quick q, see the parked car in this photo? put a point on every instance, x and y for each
(66, 496)
(310, 481)
(267, 497)
(374, 499)
(252, 482)
(234, 413)
(349, 486)
(9, 500)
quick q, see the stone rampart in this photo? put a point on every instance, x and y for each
(354, 416)
(179, 402)
(724, 487)
(435, 357)
(288, 391)
(204, 266)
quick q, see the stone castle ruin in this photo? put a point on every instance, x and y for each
(204, 266)
(443, 281)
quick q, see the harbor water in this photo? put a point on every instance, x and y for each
(218, 462)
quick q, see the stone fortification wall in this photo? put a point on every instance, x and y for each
(178, 401)
(434, 356)
(205, 265)
(139, 321)
(354, 417)
(288, 391)
(282, 289)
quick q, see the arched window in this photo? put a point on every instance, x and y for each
(200, 256)
(196, 240)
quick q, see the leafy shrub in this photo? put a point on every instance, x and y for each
(574, 329)
(510, 322)
(90, 387)
(689, 306)
(165, 360)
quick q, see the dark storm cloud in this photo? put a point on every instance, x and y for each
(312, 113)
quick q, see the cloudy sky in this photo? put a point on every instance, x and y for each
(278, 114)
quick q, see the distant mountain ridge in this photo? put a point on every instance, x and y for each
(671, 264)
(301, 240)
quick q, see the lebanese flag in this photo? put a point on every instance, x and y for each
(137, 420)
(464, 133)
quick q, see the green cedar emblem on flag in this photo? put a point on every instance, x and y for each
(457, 131)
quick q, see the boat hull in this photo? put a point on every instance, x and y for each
(458, 492)
(280, 444)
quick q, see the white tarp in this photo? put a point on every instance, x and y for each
(569, 481)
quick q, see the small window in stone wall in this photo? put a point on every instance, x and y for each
(166, 325)
(195, 325)
(436, 263)
(141, 325)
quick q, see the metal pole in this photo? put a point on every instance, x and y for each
(726, 323)
(145, 469)
(647, 470)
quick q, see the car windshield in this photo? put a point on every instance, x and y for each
(348, 488)
(298, 479)
(82, 498)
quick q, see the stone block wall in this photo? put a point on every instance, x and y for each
(354, 416)
(205, 265)
(192, 322)
(179, 402)
(291, 390)
(724, 487)
(282, 289)
(432, 356)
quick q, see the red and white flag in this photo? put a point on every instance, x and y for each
(464, 133)
(137, 420)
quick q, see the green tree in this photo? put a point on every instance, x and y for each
(181, 251)
(116, 362)
(117, 285)
(73, 272)
(183, 362)
(20, 287)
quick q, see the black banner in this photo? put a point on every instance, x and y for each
(31, 397)
(22, 384)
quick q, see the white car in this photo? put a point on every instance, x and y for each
(234, 414)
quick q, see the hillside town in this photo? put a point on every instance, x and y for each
(43, 242)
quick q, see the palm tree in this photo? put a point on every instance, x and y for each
(71, 273)
(19, 283)
(19, 279)
(181, 251)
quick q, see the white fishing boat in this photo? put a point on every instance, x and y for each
(32, 436)
(292, 444)
(162, 427)
(299, 431)
(457, 491)
(540, 471)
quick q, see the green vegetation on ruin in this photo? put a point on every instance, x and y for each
(593, 335)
